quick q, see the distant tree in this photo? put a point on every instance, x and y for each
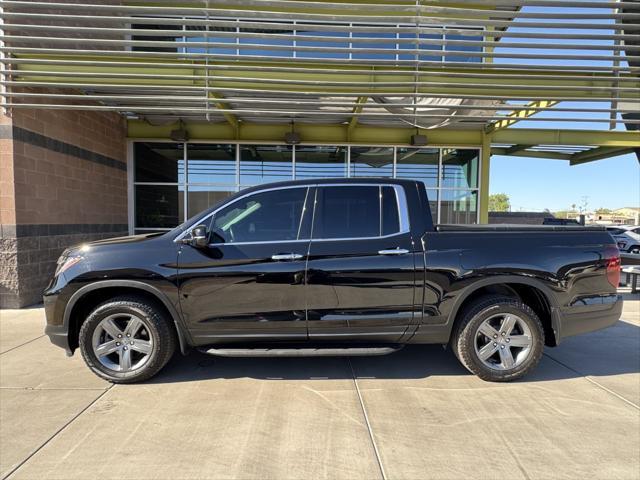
(499, 202)
(603, 211)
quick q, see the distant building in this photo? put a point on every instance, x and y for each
(621, 216)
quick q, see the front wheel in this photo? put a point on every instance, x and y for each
(127, 340)
(499, 339)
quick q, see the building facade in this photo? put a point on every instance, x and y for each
(130, 117)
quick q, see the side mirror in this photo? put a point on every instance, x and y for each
(199, 237)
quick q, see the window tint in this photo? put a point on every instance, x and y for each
(616, 231)
(390, 217)
(348, 212)
(266, 216)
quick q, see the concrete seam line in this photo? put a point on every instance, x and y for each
(22, 344)
(591, 380)
(55, 434)
(366, 419)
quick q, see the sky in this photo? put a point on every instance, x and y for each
(538, 184)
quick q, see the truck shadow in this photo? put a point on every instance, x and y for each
(610, 352)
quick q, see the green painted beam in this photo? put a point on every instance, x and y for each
(333, 79)
(354, 120)
(596, 138)
(518, 115)
(485, 168)
(600, 153)
(541, 155)
(310, 133)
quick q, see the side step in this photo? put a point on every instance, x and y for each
(302, 352)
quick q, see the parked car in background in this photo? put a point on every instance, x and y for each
(332, 267)
(627, 238)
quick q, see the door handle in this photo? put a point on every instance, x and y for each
(286, 256)
(393, 251)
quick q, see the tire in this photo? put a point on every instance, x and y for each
(475, 344)
(132, 358)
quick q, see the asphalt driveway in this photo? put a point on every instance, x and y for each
(412, 415)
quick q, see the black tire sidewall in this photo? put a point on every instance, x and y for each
(465, 342)
(151, 319)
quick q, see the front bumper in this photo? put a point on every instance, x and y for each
(55, 329)
(59, 336)
(587, 315)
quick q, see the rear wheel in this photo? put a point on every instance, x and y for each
(498, 339)
(126, 340)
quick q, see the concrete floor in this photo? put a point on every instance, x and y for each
(412, 415)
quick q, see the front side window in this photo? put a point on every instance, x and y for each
(345, 212)
(263, 217)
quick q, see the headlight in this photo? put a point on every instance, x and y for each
(65, 263)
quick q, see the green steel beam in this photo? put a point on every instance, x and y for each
(230, 117)
(529, 154)
(310, 133)
(516, 149)
(349, 80)
(518, 115)
(598, 154)
(354, 120)
(596, 138)
(392, 136)
(485, 167)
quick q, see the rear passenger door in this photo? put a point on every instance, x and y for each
(360, 271)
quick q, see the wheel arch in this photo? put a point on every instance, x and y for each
(89, 296)
(531, 291)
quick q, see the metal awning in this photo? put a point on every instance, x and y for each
(455, 65)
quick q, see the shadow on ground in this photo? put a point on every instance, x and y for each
(590, 354)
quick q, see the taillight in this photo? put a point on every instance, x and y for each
(612, 259)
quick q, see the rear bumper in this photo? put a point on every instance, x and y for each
(587, 315)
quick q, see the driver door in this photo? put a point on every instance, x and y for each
(248, 283)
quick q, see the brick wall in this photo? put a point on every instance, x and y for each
(64, 181)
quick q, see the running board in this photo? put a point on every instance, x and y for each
(301, 352)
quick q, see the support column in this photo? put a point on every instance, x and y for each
(485, 167)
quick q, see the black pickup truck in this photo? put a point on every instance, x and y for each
(331, 267)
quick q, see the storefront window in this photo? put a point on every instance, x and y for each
(168, 188)
(321, 162)
(372, 162)
(459, 168)
(419, 164)
(458, 206)
(212, 164)
(265, 163)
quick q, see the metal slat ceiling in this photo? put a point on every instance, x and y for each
(454, 64)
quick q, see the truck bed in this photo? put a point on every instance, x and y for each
(517, 228)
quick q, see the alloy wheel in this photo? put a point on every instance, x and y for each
(503, 341)
(122, 342)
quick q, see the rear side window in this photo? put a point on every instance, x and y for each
(390, 217)
(616, 231)
(356, 212)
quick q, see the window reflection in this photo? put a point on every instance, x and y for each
(372, 162)
(265, 163)
(199, 198)
(212, 163)
(419, 164)
(458, 206)
(159, 206)
(159, 162)
(459, 168)
(162, 185)
(321, 162)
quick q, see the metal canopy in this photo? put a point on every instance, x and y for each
(430, 65)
